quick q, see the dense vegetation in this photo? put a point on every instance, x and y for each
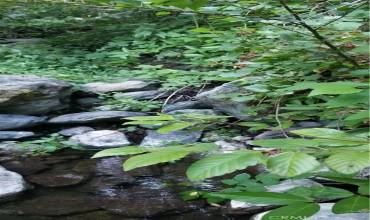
(294, 61)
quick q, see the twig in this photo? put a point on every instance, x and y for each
(174, 93)
(201, 89)
(277, 108)
(317, 35)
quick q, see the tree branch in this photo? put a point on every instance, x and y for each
(317, 35)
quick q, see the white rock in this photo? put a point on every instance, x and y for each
(127, 86)
(154, 139)
(12, 184)
(101, 139)
(325, 213)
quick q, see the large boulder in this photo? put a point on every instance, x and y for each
(125, 86)
(10, 122)
(33, 95)
(219, 99)
(92, 117)
(12, 184)
(101, 139)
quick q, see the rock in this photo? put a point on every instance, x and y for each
(101, 139)
(33, 95)
(127, 86)
(364, 173)
(75, 131)
(309, 124)
(11, 147)
(184, 105)
(112, 166)
(325, 213)
(141, 95)
(93, 117)
(280, 134)
(26, 165)
(103, 108)
(88, 102)
(248, 208)
(16, 135)
(229, 146)
(217, 98)
(194, 111)
(55, 204)
(12, 184)
(154, 139)
(60, 178)
(10, 122)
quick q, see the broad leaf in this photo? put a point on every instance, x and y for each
(285, 143)
(326, 133)
(270, 198)
(218, 165)
(321, 192)
(291, 164)
(153, 158)
(351, 205)
(294, 211)
(121, 151)
(348, 162)
(174, 127)
(161, 117)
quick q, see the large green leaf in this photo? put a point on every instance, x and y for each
(218, 165)
(351, 205)
(321, 192)
(348, 162)
(174, 127)
(326, 133)
(161, 117)
(152, 158)
(270, 198)
(120, 151)
(291, 164)
(294, 211)
(328, 88)
(285, 143)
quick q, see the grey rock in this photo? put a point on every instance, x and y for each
(103, 108)
(92, 117)
(364, 173)
(16, 135)
(88, 102)
(32, 95)
(184, 105)
(126, 86)
(154, 139)
(11, 147)
(75, 131)
(12, 184)
(101, 139)
(59, 178)
(194, 111)
(229, 146)
(309, 124)
(283, 186)
(217, 98)
(326, 213)
(10, 122)
(141, 95)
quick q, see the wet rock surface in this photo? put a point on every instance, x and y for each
(16, 135)
(93, 117)
(12, 184)
(154, 139)
(126, 86)
(57, 178)
(68, 132)
(101, 139)
(33, 95)
(10, 122)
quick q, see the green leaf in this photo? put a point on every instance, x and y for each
(362, 115)
(348, 162)
(270, 198)
(161, 117)
(120, 151)
(154, 158)
(144, 123)
(200, 147)
(326, 133)
(351, 205)
(291, 164)
(294, 211)
(285, 143)
(218, 165)
(329, 88)
(321, 192)
(364, 189)
(174, 127)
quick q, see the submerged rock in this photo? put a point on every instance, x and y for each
(59, 178)
(218, 99)
(325, 213)
(154, 139)
(12, 184)
(16, 135)
(33, 95)
(75, 131)
(126, 86)
(101, 139)
(10, 122)
(141, 95)
(92, 117)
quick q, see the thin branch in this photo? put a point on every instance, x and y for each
(174, 93)
(317, 35)
(277, 109)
